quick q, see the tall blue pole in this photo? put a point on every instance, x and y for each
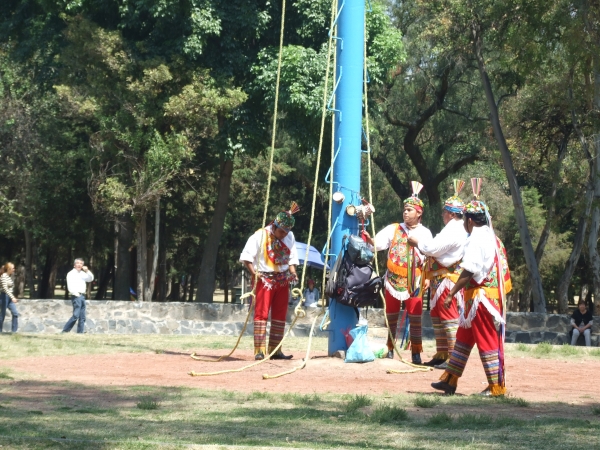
(347, 139)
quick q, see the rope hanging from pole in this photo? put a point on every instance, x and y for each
(266, 208)
(416, 368)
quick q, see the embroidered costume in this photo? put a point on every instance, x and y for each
(271, 259)
(485, 258)
(444, 253)
(403, 276)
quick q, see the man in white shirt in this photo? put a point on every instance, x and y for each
(444, 253)
(76, 285)
(485, 278)
(403, 276)
(271, 257)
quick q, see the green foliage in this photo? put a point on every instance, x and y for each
(440, 420)
(148, 403)
(356, 402)
(543, 348)
(427, 401)
(384, 414)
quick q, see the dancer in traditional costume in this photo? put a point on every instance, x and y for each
(403, 276)
(444, 253)
(486, 279)
(271, 254)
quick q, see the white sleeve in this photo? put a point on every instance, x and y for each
(70, 282)
(474, 261)
(293, 251)
(251, 248)
(88, 276)
(438, 246)
(384, 238)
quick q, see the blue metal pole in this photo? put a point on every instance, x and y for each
(348, 129)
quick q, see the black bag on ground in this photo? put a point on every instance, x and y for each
(351, 281)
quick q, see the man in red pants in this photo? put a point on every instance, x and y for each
(486, 279)
(444, 252)
(271, 257)
(403, 277)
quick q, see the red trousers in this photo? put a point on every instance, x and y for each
(274, 300)
(414, 309)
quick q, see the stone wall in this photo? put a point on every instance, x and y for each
(122, 317)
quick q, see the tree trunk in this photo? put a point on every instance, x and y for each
(19, 281)
(48, 279)
(150, 284)
(29, 263)
(105, 278)
(163, 287)
(191, 289)
(122, 272)
(206, 278)
(592, 241)
(562, 293)
(534, 274)
(142, 255)
(539, 250)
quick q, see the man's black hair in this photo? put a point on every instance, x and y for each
(479, 219)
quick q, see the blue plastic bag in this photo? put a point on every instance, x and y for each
(360, 350)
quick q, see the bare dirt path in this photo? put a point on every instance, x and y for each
(536, 380)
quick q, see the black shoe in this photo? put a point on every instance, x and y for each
(280, 355)
(259, 356)
(443, 386)
(390, 354)
(416, 359)
(434, 362)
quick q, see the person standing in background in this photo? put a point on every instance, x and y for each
(7, 299)
(76, 285)
(311, 295)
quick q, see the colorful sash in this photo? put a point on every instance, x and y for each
(488, 291)
(402, 264)
(276, 252)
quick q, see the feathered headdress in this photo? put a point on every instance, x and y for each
(476, 206)
(285, 219)
(455, 204)
(414, 199)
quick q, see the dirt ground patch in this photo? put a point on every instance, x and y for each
(535, 380)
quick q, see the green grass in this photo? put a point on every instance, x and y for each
(426, 401)
(356, 402)
(543, 348)
(146, 403)
(161, 417)
(385, 413)
(440, 420)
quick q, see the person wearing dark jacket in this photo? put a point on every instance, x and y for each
(582, 321)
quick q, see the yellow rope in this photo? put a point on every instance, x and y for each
(416, 368)
(314, 200)
(273, 135)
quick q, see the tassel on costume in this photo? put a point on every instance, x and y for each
(452, 380)
(496, 390)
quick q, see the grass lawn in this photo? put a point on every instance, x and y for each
(73, 416)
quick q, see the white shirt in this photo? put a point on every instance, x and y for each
(76, 280)
(311, 298)
(448, 246)
(384, 238)
(480, 252)
(254, 253)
